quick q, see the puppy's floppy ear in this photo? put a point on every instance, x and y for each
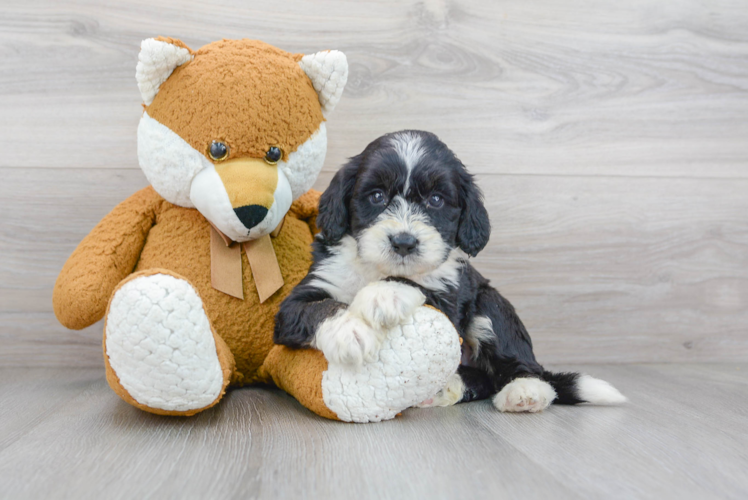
(334, 219)
(475, 228)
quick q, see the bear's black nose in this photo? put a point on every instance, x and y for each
(404, 243)
(251, 215)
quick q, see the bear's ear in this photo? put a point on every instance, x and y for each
(157, 59)
(328, 71)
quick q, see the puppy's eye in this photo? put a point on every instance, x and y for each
(273, 155)
(436, 201)
(377, 197)
(218, 151)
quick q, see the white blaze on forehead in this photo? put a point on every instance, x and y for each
(408, 147)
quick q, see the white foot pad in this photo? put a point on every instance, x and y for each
(159, 343)
(414, 362)
(525, 394)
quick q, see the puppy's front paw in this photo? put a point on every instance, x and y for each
(347, 339)
(525, 394)
(385, 304)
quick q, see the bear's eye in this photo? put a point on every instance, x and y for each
(218, 151)
(273, 155)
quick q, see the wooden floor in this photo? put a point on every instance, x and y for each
(64, 434)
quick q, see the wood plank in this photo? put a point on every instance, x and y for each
(639, 88)
(606, 269)
(31, 339)
(29, 397)
(677, 437)
(623, 269)
(260, 444)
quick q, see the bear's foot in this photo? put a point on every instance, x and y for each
(161, 353)
(416, 360)
(449, 395)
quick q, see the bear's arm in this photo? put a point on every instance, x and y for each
(306, 208)
(105, 257)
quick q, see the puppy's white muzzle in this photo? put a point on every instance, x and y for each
(402, 242)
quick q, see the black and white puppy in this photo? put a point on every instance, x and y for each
(398, 223)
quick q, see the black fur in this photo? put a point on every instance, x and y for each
(475, 228)
(347, 208)
(333, 217)
(306, 307)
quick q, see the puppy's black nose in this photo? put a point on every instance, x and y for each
(251, 215)
(404, 243)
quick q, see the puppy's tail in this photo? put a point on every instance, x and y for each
(575, 388)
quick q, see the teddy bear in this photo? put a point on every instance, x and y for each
(189, 272)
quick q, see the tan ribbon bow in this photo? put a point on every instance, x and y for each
(226, 264)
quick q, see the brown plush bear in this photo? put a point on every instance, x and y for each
(189, 272)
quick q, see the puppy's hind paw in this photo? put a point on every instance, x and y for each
(346, 339)
(385, 304)
(525, 394)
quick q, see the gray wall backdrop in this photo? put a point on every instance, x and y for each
(610, 138)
